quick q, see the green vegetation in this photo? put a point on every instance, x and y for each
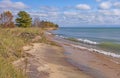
(44, 24)
(8, 71)
(110, 46)
(13, 38)
(24, 19)
(11, 43)
(47, 24)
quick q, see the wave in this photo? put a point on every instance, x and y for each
(61, 36)
(98, 51)
(88, 41)
(85, 41)
(49, 33)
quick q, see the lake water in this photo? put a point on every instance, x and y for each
(92, 35)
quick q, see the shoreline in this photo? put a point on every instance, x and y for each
(86, 44)
(66, 61)
(93, 63)
(48, 61)
(45, 60)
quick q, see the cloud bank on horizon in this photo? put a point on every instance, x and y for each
(68, 12)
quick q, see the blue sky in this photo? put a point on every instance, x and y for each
(59, 3)
(68, 12)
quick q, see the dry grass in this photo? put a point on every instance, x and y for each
(11, 43)
(7, 70)
(11, 48)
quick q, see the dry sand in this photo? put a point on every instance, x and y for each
(47, 61)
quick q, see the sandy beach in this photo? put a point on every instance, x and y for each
(92, 63)
(60, 39)
(66, 61)
(48, 61)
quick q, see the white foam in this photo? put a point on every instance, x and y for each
(88, 41)
(77, 46)
(49, 33)
(98, 51)
(115, 61)
(60, 36)
(105, 52)
(92, 49)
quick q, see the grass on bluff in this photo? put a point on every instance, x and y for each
(11, 43)
(8, 71)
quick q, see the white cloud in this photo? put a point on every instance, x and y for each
(116, 4)
(98, 0)
(49, 8)
(38, 14)
(108, 14)
(8, 4)
(83, 7)
(70, 13)
(113, 12)
(105, 5)
(116, 11)
(104, 12)
(76, 18)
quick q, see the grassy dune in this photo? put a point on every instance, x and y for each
(7, 70)
(11, 43)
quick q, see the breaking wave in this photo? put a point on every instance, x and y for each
(98, 51)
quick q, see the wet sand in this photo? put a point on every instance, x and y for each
(92, 63)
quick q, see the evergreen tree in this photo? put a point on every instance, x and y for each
(24, 19)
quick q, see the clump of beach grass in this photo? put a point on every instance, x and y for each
(7, 70)
(11, 44)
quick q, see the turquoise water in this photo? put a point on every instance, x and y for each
(104, 40)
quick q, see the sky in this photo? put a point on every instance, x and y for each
(68, 12)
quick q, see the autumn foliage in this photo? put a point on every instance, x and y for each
(6, 20)
(44, 24)
(23, 20)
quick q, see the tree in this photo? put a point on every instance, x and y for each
(37, 22)
(44, 24)
(6, 20)
(24, 19)
(48, 24)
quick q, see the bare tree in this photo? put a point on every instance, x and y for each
(37, 22)
(6, 19)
